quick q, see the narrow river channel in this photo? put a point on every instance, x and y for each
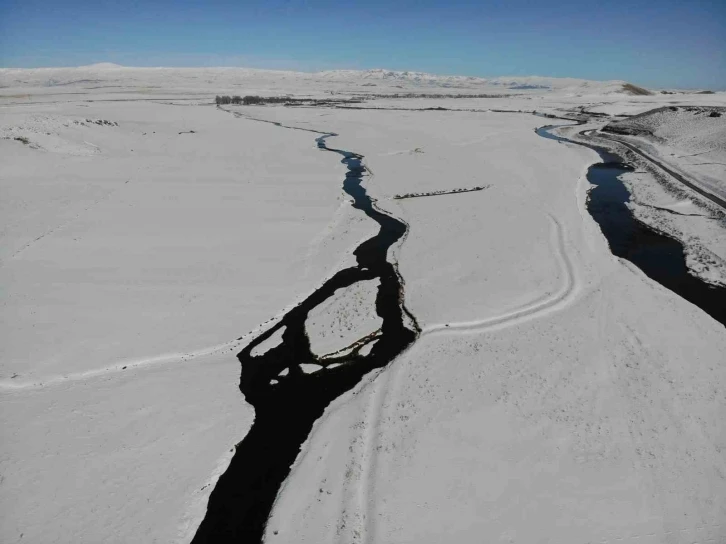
(286, 405)
(660, 257)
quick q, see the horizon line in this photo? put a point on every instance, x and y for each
(113, 65)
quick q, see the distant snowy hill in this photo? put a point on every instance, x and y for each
(228, 79)
(512, 83)
(101, 66)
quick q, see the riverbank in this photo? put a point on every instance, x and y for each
(663, 258)
(667, 206)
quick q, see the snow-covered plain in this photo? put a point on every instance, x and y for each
(556, 393)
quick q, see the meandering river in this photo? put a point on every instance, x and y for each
(287, 405)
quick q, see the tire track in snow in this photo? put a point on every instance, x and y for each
(165, 358)
(353, 520)
(65, 224)
(356, 516)
(139, 362)
(541, 306)
(366, 491)
(365, 530)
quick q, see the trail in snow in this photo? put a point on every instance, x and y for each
(361, 514)
(130, 364)
(70, 221)
(540, 306)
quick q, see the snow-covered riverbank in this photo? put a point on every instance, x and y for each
(666, 204)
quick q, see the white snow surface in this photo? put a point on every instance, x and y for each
(344, 318)
(120, 457)
(556, 393)
(273, 341)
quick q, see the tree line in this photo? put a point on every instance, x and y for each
(286, 100)
(238, 100)
(252, 100)
(442, 192)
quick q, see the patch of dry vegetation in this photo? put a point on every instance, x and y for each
(635, 90)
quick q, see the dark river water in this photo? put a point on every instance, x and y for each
(285, 411)
(660, 257)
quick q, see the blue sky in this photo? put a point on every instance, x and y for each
(657, 43)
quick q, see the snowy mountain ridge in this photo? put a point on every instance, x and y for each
(221, 78)
(425, 77)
